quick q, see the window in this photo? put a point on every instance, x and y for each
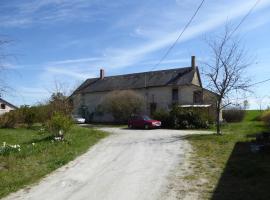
(197, 97)
(175, 95)
(3, 106)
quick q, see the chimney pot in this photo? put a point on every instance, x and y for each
(193, 62)
(102, 74)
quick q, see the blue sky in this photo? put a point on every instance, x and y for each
(68, 41)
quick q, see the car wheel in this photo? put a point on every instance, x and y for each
(130, 126)
(146, 126)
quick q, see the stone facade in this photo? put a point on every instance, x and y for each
(155, 97)
(160, 89)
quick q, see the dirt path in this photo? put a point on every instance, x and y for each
(127, 165)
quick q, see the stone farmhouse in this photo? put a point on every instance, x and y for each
(160, 89)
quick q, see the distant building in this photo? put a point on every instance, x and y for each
(6, 106)
(161, 90)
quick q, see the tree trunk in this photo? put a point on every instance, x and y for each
(218, 120)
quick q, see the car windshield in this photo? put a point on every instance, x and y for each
(145, 117)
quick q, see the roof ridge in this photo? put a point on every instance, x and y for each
(137, 73)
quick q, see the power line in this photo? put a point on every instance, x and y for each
(245, 17)
(188, 24)
(180, 35)
(192, 18)
(266, 80)
(172, 46)
(257, 83)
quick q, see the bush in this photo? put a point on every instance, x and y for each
(122, 104)
(164, 117)
(266, 117)
(26, 115)
(8, 120)
(42, 113)
(183, 118)
(59, 103)
(59, 124)
(233, 115)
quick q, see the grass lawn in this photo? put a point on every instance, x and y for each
(252, 115)
(19, 169)
(226, 162)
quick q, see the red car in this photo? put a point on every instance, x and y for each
(143, 122)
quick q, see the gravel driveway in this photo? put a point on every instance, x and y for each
(127, 165)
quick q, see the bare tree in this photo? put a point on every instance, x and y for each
(3, 57)
(226, 70)
(261, 101)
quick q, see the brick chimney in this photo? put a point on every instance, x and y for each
(193, 62)
(102, 74)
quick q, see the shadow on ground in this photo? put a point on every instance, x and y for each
(246, 175)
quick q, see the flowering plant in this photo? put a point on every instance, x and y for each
(6, 149)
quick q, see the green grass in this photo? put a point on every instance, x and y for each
(33, 162)
(252, 115)
(231, 169)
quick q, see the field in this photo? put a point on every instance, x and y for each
(39, 154)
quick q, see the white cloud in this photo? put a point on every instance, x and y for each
(75, 61)
(125, 57)
(27, 13)
(155, 30)
(67, 72)
(115, 58)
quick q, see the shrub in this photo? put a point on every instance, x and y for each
(24, 115)
(266, 117)
(233, 115)
(59, 124)
(184, 118)
(164, 117)
(59, 103)
(27, 115)
(122, 104)
(8, 120)
(43, 112)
